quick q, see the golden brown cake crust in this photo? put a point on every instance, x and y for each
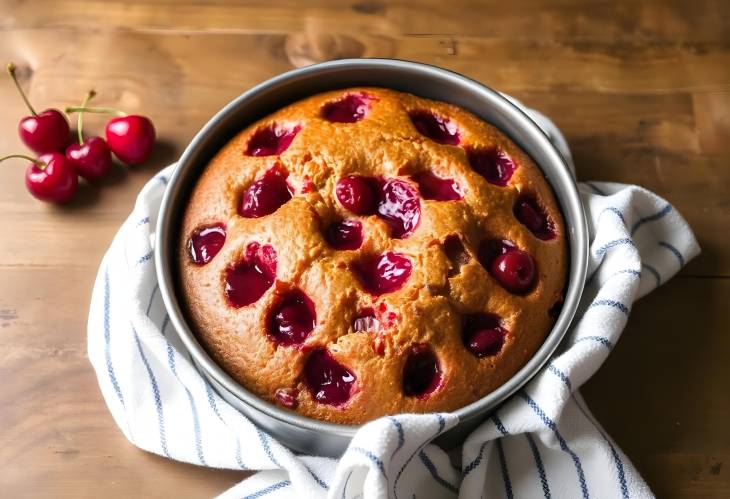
(430, 306)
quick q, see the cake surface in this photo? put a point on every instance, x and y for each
(365, 252)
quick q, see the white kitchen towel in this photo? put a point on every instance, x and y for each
(543, 442)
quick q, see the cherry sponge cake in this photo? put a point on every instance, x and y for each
(366, 252)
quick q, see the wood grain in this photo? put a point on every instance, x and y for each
(641, 90)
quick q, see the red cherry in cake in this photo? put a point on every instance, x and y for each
(345, 235)
(131, 138)
(437, 188)
(357, 194)
(287, 397)
(247, 280)
(291, 321)
(42, 132)
(492, 164)
(436, 128)
(383, 274)
(49, 178)
(421, 372)
(513, 268)
(349, 109)
(206, 242)
(400, 207)
(265, 195)
(515, 271)
(533, 216)
(484, 334)
(327, 380)
(271, 140)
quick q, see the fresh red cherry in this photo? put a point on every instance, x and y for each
(49, 178)
(421, 372)
(484, 334)
(357, 194)
(92, 159)
(328, 381)
(46, 131)
(266, 194)
(52, 179)
(42, 132)
(131, 138)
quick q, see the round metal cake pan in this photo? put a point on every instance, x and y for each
(305, 434)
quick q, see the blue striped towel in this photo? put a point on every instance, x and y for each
(543, 442)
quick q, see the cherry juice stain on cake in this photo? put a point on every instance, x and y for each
(292, 319)
(357, 194)
(483, 334)
(436, 128)
(206, 242)
(533, 216)
(266, 194)
(328, 381)
(383, 274)
(248, 279)
(345, 235)
(400, 206)
(349, 109)
(307, 185)
(493, 164)
(421, 372)
(271, 140)
(439, 189)
(287, 397)
(513, 268)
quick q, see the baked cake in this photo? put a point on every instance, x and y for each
(365, 252)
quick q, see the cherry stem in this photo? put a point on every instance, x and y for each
(11, 71)
(80, 124)
(99, 110)
(40, 164)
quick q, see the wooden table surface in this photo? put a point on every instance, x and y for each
(641, 90)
